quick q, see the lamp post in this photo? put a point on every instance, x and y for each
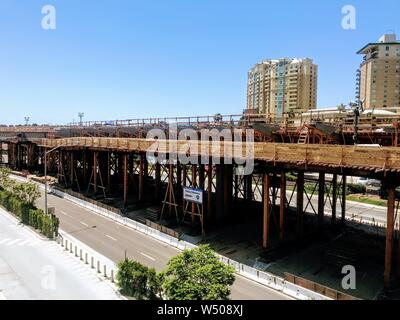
(45, 177)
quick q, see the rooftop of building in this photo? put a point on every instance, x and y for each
(386, 39)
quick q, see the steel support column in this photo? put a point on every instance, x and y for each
(334, 197)
(228, 176)
(219, 192)
(209, 193)
(321, 199)
(141, 176)
(157, 181)
(194, 185)
(266, 202)
(125, 177)
(300, 202)
(282, 207)
(389, 234)
(95, 165)
(344, 187)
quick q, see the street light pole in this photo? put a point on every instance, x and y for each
(45, 177)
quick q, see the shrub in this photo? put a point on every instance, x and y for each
(198, 274)
(137, 280)
(29, 214)
(356, 188)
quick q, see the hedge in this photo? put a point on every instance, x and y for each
(30, 215)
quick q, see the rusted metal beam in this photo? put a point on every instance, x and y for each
(95, 167)
(389, 234)
(201, 176)
(300, 202)
(141, 176)
(321, 199)
(194, 185)
(334, 198)
(228, 176)
(266, 202)
(344, 188)
(125, 177)
(282, 207)
(158, 181)
(209, 193)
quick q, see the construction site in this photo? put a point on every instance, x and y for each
(289, 216)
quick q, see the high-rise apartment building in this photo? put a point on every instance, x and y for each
(275, 87)
(378, 79)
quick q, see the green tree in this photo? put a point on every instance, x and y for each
(132, 279)
(197, 274)
(31, 191)
(4, 176)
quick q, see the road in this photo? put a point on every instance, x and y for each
(114, 240)
(353, 209)
(32, 268)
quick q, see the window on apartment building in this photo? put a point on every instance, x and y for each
(387, 48)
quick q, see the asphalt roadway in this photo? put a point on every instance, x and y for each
(114, 240)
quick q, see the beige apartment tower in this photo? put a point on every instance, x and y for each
(276, 87)
(378, 79)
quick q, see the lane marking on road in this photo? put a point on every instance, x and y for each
(14, 242)
(24, 242)
(110, 237)
(34, 243)
(85, 224)
(147, 256)
(64, 213)
(4, 240)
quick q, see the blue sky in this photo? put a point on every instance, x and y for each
(132, 59)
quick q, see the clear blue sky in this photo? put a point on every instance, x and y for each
(129, 59)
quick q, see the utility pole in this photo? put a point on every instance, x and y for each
(80, 115)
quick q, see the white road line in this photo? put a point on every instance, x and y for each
(110, 237)
(14, 242)
(24, 242)
(64, 213)
(4, 240)
(33, 243)
(147, 256)
(85, 224)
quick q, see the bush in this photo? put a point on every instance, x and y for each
(356, 188)
(137, 280)
(198, 274)
(29, 214)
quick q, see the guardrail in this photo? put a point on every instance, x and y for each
(103, 266)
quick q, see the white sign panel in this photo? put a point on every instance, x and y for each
(193, 195)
